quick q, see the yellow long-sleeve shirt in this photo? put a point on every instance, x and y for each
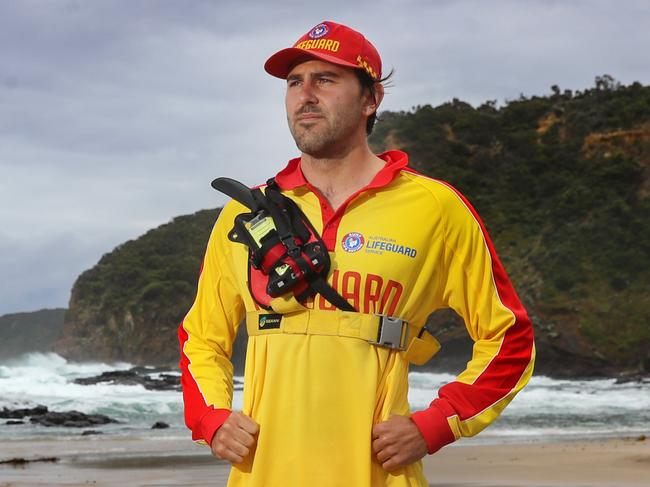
(405, 245)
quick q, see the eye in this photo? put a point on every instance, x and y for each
(293, 82)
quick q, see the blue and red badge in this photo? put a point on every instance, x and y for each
(319, 31)
(352, 242)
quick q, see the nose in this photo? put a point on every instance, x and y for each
(307, 94)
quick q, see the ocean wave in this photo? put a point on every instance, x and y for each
(559, 407)
(546, 407)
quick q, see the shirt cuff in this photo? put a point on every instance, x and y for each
(434, 427)
(211, 422)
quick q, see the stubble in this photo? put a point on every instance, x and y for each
(323, 136)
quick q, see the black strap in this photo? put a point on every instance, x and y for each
(321, 286)
(297, 218)
(282, 221)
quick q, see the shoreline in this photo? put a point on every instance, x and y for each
(138, 461)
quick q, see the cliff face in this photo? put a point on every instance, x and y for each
(30, 332)
(561, 182)
(128, 307)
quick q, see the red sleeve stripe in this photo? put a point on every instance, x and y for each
(191, 386)
(194, 399)
(508, 365)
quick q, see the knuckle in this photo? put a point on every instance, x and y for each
(391, 451)
(382, 442)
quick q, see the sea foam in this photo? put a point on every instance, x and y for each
(546, 408)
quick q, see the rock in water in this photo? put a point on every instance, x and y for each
(91, 432)
(71, 419)
(135, 376)
(159, 425)
(125, 377)
(21, 413)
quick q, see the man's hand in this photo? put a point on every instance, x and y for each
(397, 443)
(235, 438)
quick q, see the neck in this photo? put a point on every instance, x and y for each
(341, 175)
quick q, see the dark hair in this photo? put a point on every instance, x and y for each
(367, 82)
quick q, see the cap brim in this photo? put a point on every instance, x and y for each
(281, 63)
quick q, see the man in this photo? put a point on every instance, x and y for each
(325, 402)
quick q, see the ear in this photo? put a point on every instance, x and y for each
(372, 104)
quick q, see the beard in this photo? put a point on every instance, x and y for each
(326, 136)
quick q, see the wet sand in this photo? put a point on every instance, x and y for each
(110, 461)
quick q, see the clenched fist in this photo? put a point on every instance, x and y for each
(397, 443)
(235, 438)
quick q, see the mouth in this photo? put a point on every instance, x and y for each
(307, 117)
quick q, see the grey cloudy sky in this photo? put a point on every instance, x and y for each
(115, 115)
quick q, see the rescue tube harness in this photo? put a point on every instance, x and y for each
(286, 255)
(283, 245)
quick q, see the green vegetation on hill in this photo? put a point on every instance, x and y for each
(562, 183)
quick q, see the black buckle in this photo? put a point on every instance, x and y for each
(392, 333)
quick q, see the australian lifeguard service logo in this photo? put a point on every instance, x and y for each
(319, 31)
(352, 242)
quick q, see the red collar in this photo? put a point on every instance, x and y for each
(291, 176)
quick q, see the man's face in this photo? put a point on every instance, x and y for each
(326, 107)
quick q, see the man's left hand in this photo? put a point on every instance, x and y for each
(397, 443)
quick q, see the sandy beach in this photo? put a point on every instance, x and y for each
(615, 463)
(106, 461)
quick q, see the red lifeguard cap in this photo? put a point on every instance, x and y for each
(331, 42)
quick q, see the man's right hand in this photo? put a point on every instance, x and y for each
(234, 440)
